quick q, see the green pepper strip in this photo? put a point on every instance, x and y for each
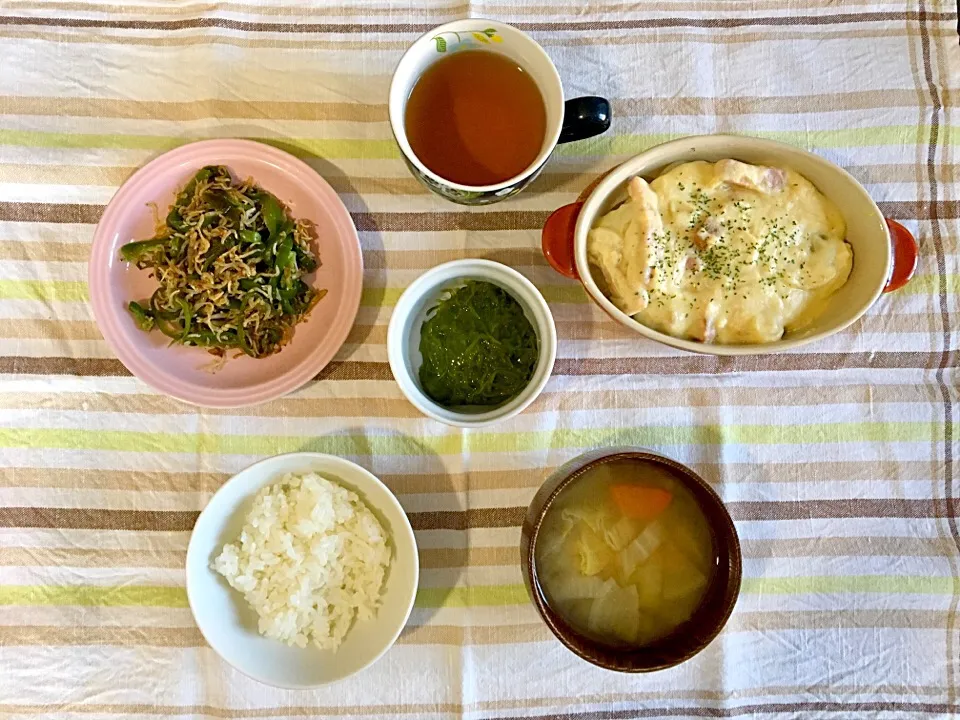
(272, 213)
(133, 251)
(187, 317)
(175, 220)
(203, 174)
(159, 311)
(234, 198)
(166, 320)
(306, 262)
(169, 328)
(216, 250)
(242, 340)
(284, 251)
(142, 316)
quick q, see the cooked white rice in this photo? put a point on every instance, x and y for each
(310, 558)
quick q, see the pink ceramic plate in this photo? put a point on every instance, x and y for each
(183, 372)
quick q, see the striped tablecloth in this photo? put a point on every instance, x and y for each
(839, 461)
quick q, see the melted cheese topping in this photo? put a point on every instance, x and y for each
(722, 252)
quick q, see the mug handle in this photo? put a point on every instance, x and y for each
(905, 251)
(584, 117)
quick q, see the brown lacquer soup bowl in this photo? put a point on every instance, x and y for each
(711, 614)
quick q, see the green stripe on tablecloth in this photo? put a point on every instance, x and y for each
(914, 584)
(332, 148)
(884, 135)
(76, 291)
(454, 444)
(474, 596)
(44, 290)
(91, 595)
(930, 285)
(844, 138)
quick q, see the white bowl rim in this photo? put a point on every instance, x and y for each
(612, 181)
(407, 531)
(397, 345)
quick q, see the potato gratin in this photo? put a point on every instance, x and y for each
(722, 252)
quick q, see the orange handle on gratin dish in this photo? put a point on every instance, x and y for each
(557, 241)
(557, 237)
(904, 248)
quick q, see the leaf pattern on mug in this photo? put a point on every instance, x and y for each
(485, 36)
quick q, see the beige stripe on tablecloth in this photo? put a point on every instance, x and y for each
(354, 112)
(683, 365)
(426, 482)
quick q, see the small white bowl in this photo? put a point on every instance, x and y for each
(403, 336)
(229, 625)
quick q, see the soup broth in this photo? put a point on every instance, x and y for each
(476, 118)
(625, 555)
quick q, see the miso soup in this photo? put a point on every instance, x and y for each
(625, 554)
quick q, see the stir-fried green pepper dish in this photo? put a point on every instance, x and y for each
(478, 347)
(230, 262)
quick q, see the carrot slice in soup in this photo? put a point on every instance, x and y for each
(641, 503)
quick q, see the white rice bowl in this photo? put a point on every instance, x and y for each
(311, 558)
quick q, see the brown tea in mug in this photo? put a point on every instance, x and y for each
(476, 118)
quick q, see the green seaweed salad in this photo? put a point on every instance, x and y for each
(478, 347)
(230, 263)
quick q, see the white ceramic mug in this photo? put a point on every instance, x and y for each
(575, 119)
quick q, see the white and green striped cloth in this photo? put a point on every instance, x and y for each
(839, 461)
